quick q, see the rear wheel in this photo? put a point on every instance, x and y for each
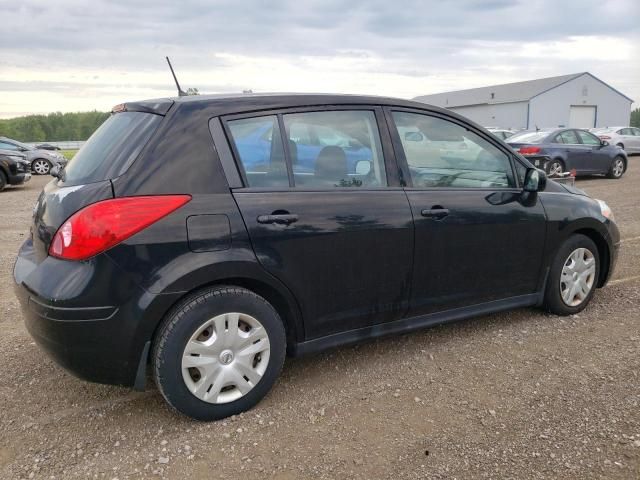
(3, 180)
(555, 168)
(41, 166)
(617, 168)
(218, 353)
(573, 276)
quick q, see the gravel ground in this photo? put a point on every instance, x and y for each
(521, 394)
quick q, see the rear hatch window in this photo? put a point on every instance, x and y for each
(112, 148)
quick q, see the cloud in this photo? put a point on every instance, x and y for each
(107, 49)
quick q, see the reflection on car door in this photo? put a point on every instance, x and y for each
(477, 238)
(341, 241)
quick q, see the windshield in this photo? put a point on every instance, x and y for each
(112, 148)
(528, 137)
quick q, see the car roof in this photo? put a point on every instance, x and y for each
(245, 102)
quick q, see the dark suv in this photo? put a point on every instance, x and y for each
(14, 168)
(205, 237)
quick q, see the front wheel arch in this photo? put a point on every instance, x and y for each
(603, 252)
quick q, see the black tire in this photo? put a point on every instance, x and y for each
(45, 163)
(184, 320)
(553, 301)
(552, 166)
(3, 180)
(615, 171)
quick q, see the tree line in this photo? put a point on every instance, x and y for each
(635, 118)
(53, 126)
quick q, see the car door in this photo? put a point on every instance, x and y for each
(577, 156)
(478, 238)
(600, 159)
(340, 239)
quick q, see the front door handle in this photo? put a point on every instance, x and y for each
(436, 213)
(279, 219)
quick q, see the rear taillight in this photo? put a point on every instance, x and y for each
(102, 225)
(604, 137)
(529, 150)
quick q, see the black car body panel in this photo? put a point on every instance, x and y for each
(357, 264)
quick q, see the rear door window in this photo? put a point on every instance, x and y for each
(335, 149)
(568, 137)
(112, 148)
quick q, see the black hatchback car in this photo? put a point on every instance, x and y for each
(205, 237)
(564, 149)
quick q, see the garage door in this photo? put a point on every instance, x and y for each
(582, 116)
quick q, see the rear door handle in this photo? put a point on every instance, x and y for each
(436, 213)
(280, 219)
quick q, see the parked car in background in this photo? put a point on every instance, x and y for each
(209, 278)
(40, 161)
(627, 138)
(501, 133)
(14, 168)
(564, 149)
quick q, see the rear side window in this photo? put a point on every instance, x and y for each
(258, 145)
(112, 148)
(335, 149)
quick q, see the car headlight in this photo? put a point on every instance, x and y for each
(605, 210)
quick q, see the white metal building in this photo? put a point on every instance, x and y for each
(580, 100)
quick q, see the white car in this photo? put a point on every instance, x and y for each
(627, 138)
(501, 133)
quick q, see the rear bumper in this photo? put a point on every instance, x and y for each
(87, 316)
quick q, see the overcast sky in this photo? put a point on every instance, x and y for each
(72, 55)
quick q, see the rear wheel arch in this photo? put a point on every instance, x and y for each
(288, 312)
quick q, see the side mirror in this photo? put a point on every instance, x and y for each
(363, 167)
(535, 180)
(604, 143)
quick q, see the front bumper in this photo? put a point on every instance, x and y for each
(88, 316)
(19, 178)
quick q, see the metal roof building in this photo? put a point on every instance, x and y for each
(579, 100)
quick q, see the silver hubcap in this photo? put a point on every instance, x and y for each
(555, 169)
(578, 275)
(618, 167)
(41, 167)
(225, 358)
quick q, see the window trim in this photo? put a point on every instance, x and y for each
(404, 166)
(389, 159)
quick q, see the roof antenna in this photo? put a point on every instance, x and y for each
(181, 93)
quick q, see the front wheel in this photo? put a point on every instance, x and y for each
(617, 168)
(41, 166)
(218, 353)
(573, 276)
